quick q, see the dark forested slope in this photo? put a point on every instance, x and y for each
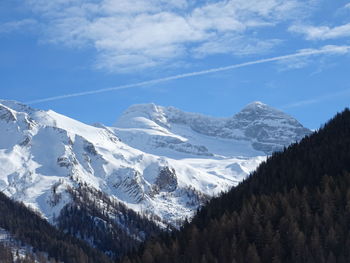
(31, 229)
(112, 230)
(294, 208)
(106, 224)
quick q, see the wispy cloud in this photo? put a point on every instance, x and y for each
(145, 33)
(239, 46)
(303, 53)
(16, 25)
(322, 32)
(299, 62)
(323, 98)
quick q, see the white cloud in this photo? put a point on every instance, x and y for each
(347, 6)
(330, 49)
(235, 45)
(298, 62)
(144, 33)
(322, 32)
(11, 26)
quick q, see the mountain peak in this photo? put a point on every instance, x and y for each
(144, 107)
(257, 111)
(17, 106)
(255, 104)
(258, 106)
(147, 111)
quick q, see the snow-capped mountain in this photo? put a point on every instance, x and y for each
(256, 130)
(156, 160)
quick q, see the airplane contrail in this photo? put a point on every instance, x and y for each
(304, 53)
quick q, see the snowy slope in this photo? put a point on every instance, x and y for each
(158, 161)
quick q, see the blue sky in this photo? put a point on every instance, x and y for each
(62, 47)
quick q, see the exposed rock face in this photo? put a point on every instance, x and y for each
(166, 181)
(269, 129)
(6, 114)
(131, 182)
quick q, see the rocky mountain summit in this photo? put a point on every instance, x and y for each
(260, 127)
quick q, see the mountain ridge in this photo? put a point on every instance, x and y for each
(267, 129)
(162, 172)
(40, 149)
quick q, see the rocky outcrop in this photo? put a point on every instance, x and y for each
(166, 180)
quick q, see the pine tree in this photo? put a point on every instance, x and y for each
(252, 254)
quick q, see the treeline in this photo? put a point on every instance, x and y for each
(104, 223)
(294, 208)
(28, 227)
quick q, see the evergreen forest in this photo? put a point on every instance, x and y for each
(294, 208)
